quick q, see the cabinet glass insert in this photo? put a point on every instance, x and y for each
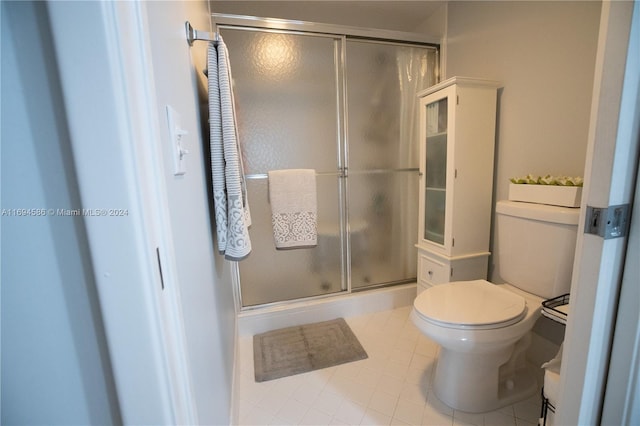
(435, 171)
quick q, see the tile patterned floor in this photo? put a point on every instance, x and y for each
(391, 387)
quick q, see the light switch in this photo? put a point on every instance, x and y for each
(178, 143)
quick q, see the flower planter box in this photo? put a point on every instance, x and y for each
(565, 196)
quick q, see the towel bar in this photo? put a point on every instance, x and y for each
(265, 176)
(194, 35)
(341, 173)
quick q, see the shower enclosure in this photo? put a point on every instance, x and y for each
(346, 107)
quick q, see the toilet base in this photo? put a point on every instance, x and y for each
(478, 383)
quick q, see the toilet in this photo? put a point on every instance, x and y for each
(483, 328)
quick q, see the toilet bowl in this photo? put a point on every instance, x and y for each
(483, 330)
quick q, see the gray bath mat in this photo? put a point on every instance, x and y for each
(299, 349)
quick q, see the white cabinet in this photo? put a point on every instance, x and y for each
(457, 138)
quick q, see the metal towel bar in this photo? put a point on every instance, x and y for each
(195, 35)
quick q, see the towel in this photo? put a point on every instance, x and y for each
(231, 207)
(292, 195)
(552, 378)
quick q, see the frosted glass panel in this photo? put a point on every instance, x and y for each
(434, 215)
(436, 171)
(270, 275)
(382, 82)
(286, 98)
(383, 222)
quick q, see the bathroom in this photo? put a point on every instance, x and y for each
(543, 53)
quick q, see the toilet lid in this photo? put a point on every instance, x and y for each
(464, 304)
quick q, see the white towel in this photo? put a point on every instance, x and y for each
(292, 194)
(229, 191)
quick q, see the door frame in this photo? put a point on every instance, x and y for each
(610, 176)
(114, 130)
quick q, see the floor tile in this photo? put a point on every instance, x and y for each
(401, 355)
(529, 409)
(383, 403)
(432, 417)
(372, 417)
(307, 393)
(350, 412)
(316, 417)
(437, 405)
(319, 377)
(498, 418)
(272, 402)
(391, 387)
(396, 369)
(521, 422)
(409, 412)
(412, 392)
(463, 418)
(292, 412)
(327, 402)
(389, 384)
(255, 416)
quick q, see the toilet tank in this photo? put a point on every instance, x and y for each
(536, 246)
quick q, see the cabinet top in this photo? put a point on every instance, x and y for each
(463, 81)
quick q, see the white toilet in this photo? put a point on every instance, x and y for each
(483, 328)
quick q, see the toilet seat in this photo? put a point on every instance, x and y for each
(474, 304)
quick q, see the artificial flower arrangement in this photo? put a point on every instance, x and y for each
(564, 191)
(548, 180)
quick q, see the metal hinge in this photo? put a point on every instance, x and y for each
(607, 222)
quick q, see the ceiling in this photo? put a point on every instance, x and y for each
(388, 15)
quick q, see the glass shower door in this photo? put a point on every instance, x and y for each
(382, 80)
(348, 109)
(288, 102)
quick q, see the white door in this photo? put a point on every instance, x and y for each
(621, 405)
(610, 177)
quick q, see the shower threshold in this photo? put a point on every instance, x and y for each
(287, 314)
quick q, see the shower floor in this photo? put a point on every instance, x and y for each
(391, 387)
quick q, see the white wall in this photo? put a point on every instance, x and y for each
(55, 364)
(388, 15)
(204, 277)
(544, 54)
(435, 24)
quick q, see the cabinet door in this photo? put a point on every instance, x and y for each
(435, 171)
(437, 139)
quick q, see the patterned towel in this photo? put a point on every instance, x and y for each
(229, 191)
(292, 194)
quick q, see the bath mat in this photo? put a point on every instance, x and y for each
(299, 349)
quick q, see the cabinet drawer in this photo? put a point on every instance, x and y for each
(432, 271)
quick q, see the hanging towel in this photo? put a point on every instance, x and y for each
(292, 194)
(231, 206)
